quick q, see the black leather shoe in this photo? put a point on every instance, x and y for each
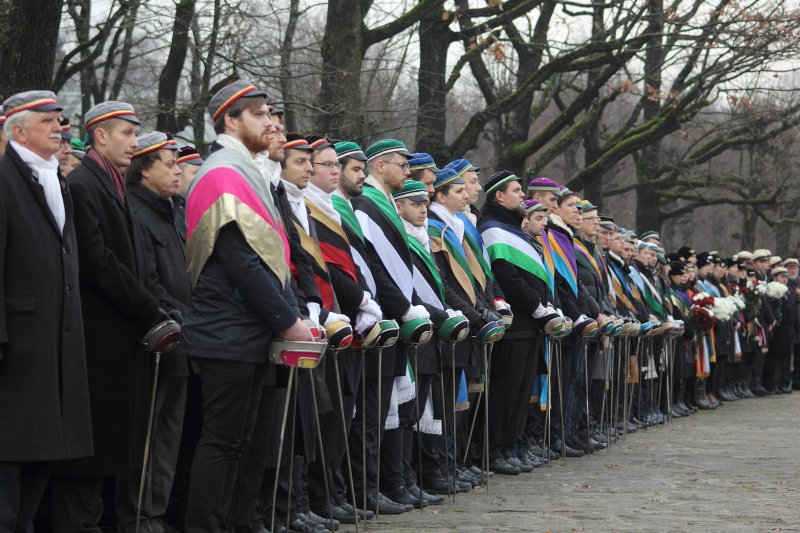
(325, 520)
(503, 467)
(523, 467)
(759, 390)
(349, 509)
(383, 505)
(301, 527)
(432, 499)
(567, 450)
(404, 497)
(339, 514)
(439, 485)
(314, 520)
(786, 389)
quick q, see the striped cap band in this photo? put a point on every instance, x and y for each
(113, 114)
(500, 183)
(299, 144)
(188, 157)
(350, 153)
(230, 100)
(152, 148)
(30, 105)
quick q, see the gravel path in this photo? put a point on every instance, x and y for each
(733, 469)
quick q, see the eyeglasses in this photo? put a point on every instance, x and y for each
(593, 219)
(403, 166)
(329, 165)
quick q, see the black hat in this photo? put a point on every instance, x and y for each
(676, 268)
(703, 259)
(498, 179)
(685, 252)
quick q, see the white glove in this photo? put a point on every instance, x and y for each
(313, 311)
(452, 312)
(333, 317)
(543, 311)
(368, 305)
(365, 322)
(416, 311)
(582, 319)
(559, 311)
(499, 304)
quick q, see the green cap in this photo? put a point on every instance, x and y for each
(349, 149)
(412, 190)
(386, 146)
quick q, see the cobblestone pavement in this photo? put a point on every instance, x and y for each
(733, 469)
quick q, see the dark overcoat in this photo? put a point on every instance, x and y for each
(44, 396)
(118, 305)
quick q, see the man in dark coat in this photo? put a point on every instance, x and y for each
(153, 180)
(118, 308)
(44, 395)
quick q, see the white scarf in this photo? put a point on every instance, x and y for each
(467, 212)
(273, 171)
(418, 234)
(46, 173)
(295, 196)
(322, 199)
(452, 221)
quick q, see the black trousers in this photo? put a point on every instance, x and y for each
(21, 488)
(398, 446)
(512, 374)
(367, 416)
(231, 397)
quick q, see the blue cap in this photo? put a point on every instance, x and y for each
(461, 166)
(421, 161)
(445, 176)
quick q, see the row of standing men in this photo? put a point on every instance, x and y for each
(460, 342)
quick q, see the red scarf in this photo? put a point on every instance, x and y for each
(109, 169)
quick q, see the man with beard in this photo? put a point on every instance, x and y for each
(238, 258)
(517, 357)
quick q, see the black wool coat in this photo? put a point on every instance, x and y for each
(118, 305)
(44, 394)
(164, 246)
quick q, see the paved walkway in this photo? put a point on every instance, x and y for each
(733, 469)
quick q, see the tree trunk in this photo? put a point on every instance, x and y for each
(28, 53)
(648, 202)
(591, 139)
(434, 41)
(172, 72)
(343, 51)
(285, 70)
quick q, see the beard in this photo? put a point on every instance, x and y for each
(256, 143)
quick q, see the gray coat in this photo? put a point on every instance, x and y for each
(44, 393)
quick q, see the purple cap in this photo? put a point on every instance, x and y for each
(532, 205)
(544, 184)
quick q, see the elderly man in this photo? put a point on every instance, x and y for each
(44, 399)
